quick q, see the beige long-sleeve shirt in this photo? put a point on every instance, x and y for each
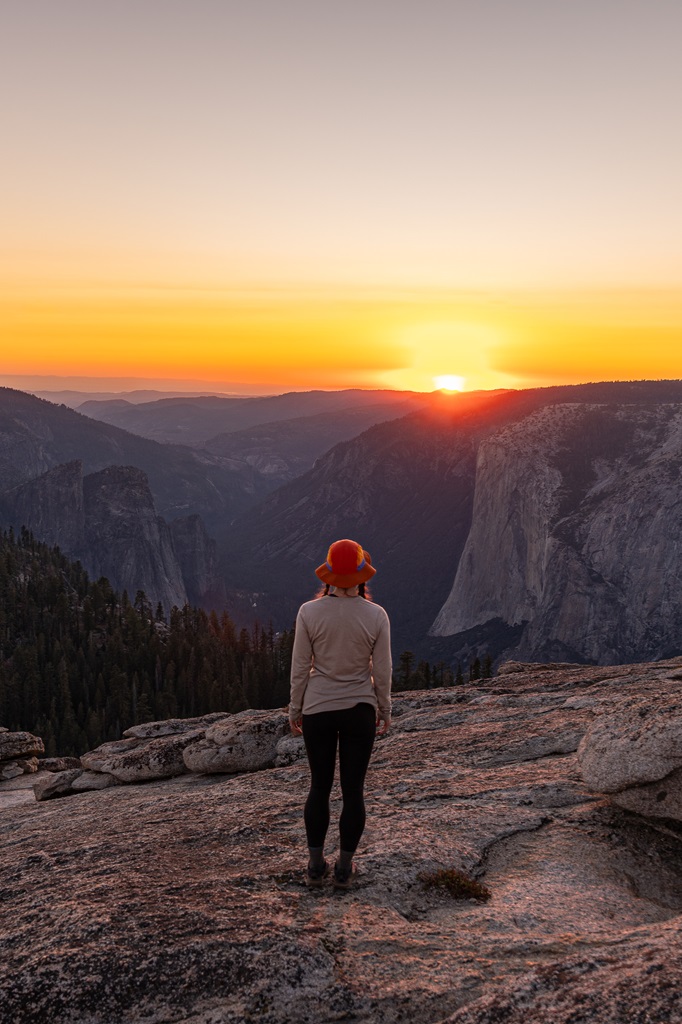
(341, 656)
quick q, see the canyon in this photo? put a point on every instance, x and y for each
(540, 524)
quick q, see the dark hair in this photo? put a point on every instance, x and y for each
(363, 591)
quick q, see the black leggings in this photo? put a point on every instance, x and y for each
(354, 728)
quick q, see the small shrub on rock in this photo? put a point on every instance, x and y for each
(456, 884)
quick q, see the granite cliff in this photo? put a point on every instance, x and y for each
(575, 530)
(181, 900)
(542, 524)
(106, 520)
(197, 556)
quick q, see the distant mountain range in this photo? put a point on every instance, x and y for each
(157, 536)
(197, 421)
(541, 524)
(74, 399)
(36, 435)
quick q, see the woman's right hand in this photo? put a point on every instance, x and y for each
(296, 726)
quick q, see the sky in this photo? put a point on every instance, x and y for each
(282, 194)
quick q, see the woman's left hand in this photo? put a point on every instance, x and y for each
(383, 723)
(296, 724)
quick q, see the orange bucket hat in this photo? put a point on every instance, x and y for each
(347, 565)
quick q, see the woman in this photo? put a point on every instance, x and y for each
(340, 694)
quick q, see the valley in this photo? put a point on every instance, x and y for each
(541, 524)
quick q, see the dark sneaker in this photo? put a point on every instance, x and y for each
(314, 877)
(343, 879)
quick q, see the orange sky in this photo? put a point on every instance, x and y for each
(282, 339)
(309, 195)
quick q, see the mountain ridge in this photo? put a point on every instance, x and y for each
(406, 491)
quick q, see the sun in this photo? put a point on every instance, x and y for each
(449, 382)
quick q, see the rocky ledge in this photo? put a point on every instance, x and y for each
(18, 753)
(182, 900)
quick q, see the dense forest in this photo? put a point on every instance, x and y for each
(80, 663)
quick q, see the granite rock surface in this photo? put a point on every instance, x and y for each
(638, 744)
(19, 744)
(59, 764)
(182, 901)
(138, 760)
(245, 742)
(574, 534)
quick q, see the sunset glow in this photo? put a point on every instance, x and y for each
(210, 216)
(449, 382)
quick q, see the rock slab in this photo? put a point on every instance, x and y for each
(182, 901)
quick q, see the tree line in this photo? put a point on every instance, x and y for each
(426, 676)
(80, 663)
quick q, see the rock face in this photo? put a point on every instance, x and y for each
(125, 538)
(19, 766)
(108, 521)
(134, 760)
(56, 784)
(640, 743)
(575, 534)
(197, 557)
(51, 505)
(59, 764)
(183, 900)
(540, 525)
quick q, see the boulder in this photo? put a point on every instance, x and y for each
(245, 742)
(662, 799)
(93, 780)
(508, 668)
(138, 760)
(71, 781)
(19, 744)
(10, 770)
(57, 784)
(100, 758)
(288, 750)
(636, 745)
(59, 764)
(174, 726)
